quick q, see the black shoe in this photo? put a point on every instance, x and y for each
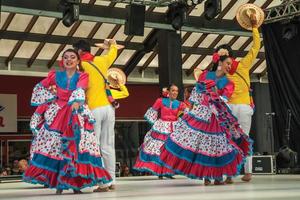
(160, 177)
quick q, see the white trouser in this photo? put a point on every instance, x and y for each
(243, 113)
(104, 128)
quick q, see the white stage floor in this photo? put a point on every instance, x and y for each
(275, 187)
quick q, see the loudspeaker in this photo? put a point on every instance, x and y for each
(170, 60)
(264, 164)
(135, 21)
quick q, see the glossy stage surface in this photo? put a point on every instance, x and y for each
(273, 187)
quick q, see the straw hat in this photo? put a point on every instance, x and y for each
(105, 45)
(197, 73)
(244, 12)
(114, 74)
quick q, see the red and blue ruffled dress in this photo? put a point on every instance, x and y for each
(207, 141)
(65, 152)
(163, 116)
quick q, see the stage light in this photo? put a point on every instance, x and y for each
(176, 14)
(70, 9)
(212, 8)
(193, 2)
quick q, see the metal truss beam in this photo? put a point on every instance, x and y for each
(286, 11)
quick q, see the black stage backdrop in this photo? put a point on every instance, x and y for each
(283, 63)
(259, 127)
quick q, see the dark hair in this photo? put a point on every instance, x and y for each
(77, 55)
(215, 65)
(172, 84)
(222, 58)
(73, 51)
(189, 88)
(82, 45)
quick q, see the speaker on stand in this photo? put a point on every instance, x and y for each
(135, 20)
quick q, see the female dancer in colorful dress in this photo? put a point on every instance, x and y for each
(162, 115)
(65, 153)
(202, 146)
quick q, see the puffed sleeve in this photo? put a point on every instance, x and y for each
(152, 113)
(227, 91)
(78, 95)
(41, 93)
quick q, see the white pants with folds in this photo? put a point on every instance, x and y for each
(104, 128)
(243, 113)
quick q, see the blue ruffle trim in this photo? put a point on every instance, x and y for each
(147, 158)
(150, 158)
(193, 157)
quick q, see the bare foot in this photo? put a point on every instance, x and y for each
(207, 182)
(112, 187)
(219, 182)
(59, 191)
(247, 177)
(229, 180)
(77, 192)
(101, 189)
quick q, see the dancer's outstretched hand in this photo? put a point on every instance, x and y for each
(75, 106)
(253, 20)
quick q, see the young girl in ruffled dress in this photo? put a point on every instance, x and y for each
(163, 116)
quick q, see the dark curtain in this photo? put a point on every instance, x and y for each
(283, 63)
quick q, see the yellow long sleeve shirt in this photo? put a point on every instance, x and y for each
(241, 91)
(120, 94)
(96, 95)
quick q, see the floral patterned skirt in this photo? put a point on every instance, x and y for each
(65, 151)
(207, 142)
(148, 159)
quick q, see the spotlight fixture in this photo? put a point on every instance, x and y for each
(70, 10)
(212, 8)
(193, 2)
(176, 14)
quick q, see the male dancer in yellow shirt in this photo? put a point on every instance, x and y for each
(99, 103)
(240, 99)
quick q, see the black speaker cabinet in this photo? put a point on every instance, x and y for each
(264, 164)
(135, 21)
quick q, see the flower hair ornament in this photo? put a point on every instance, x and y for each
(165, 92)
(217, 55)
